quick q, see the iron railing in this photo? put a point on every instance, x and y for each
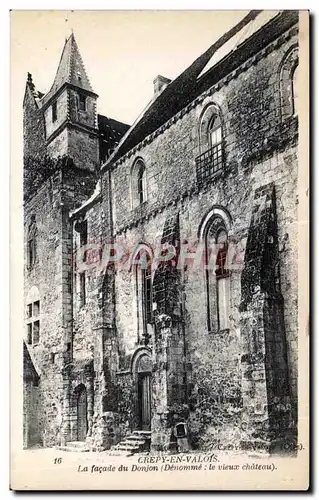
(209, 163)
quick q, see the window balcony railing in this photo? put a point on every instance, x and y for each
(209, 163)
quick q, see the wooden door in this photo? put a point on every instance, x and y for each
(82, 415)
(145, 401)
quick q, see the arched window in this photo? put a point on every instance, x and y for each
(214, 232)
(138, 183)
(210, 162)
(141, 184)
(288, 84)
(295, 90)
(214, 131)
(141, 265)
(31, 243)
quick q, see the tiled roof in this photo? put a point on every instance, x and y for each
(194, 80)
(111, 127)
(111, 132)
(70, 70)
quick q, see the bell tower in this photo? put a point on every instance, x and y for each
(70, 114)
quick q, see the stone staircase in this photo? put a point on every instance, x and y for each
(74, 446)
(139, 441)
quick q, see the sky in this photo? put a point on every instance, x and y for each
(123, 51)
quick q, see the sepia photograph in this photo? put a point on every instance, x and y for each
(162, 160)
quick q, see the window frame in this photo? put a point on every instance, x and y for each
(139, 193)
(33, 322)
(287, 68)
(210, 161)
(217, 219)
(143, 286)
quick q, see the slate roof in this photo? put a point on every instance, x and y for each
(192, 82)
(111, 132)
(70, 70)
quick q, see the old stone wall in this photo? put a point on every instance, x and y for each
(45, 276)
(102, 335)
(250, 111)
(62, 111)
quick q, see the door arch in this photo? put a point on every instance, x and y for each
(81, 412)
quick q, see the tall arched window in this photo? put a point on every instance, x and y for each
(31, 243)
(214, 232)
(138, 183)
(295, 90)
(288, 84)
(141, 184)
(141, 266)
(210, 162)
(214, 131)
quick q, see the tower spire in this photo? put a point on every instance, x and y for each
(71, 69)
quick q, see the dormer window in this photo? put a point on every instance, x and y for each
(54, 112)
(82, 102)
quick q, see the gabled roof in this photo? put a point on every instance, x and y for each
(71, 70)
(199, 76)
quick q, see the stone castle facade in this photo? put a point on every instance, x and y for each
(127, 326)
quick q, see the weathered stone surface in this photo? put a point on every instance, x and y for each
(218, 382)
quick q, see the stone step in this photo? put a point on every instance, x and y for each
(146, 434)
(134, 443)
(137, 439)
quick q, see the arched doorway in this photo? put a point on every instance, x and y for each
(144, 391)
(81, 407)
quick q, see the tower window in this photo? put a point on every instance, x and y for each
(54, 112)
(82, 102)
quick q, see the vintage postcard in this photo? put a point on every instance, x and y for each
(159, 250)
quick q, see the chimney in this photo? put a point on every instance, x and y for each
(160, 82)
